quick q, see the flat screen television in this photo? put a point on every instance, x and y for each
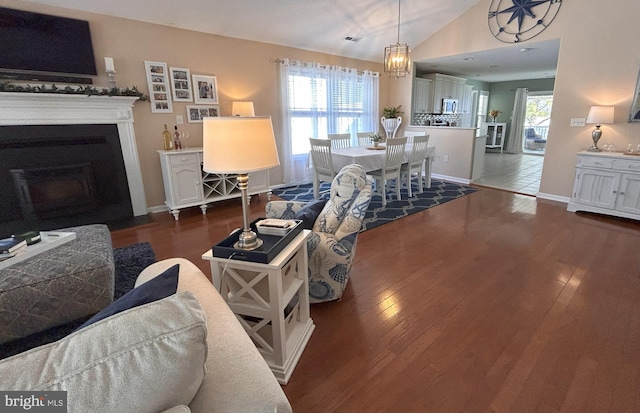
(37, 42)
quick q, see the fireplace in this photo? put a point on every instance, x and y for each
(55, 191)
(67, 160)
(52, 176)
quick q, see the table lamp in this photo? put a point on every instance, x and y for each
(242, 109)
(599, 115)
(239, 145)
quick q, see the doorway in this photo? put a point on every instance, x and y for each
(537, 121)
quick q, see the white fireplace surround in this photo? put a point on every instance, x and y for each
(52, 109)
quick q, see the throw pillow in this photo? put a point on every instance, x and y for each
(310, 213)
(148, 359)
(155, 289)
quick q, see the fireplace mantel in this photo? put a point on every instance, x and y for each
(62, 109)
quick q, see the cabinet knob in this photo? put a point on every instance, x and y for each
(621, 193)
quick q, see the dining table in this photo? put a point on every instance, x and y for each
(372, 158)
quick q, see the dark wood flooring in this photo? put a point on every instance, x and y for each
(494, 302)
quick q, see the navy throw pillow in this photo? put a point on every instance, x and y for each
(310, 213)
(155, 289)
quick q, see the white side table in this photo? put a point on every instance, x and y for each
(260, 293)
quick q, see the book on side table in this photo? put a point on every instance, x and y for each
(11, 245)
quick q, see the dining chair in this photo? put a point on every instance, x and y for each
(394, 156)
(415, 164)
(322, 163)
(364, 139)
(340, 140)
(411, 134)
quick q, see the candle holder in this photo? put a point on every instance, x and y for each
(112, 78)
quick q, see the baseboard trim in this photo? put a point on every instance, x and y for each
(451, 179)
(158, 208)
(552, 197)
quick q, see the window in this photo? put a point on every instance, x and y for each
(318, 100)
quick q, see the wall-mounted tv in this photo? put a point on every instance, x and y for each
(37, 42)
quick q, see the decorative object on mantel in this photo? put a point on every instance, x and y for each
(110, 69)
(397, 57)
(599, 115)
(70, 90)
(391, 120)
(494, 114)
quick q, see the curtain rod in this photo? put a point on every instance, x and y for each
(344, 69)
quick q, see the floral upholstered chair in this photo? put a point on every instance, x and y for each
(332, 244)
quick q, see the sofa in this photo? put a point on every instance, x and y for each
(185, 352)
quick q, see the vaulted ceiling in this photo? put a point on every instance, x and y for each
(322, 26)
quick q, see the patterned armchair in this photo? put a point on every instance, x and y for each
(332, 244)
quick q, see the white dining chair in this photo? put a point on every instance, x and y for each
(364, 139)
(415, 164)
(410, 134)
(394, 156)
(322, 163)
(340, 140)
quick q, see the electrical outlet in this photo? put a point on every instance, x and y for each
(445, 158)
(578, 122)
(179, 120)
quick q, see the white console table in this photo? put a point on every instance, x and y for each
(187, 185)
(607, 183)
(271, 302)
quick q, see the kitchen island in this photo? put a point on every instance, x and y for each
(458, 154)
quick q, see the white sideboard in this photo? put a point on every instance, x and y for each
(607, 183)
(187, 185)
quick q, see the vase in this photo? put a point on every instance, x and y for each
(391, 125)
(376, 144)
(494, 119)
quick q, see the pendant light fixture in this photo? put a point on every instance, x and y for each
(397, 57)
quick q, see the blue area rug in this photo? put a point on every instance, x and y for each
(439, 193)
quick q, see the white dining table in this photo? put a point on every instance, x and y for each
(373, 159)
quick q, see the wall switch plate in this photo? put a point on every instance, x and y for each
(179, 120)
(578, 122)
(445, 158)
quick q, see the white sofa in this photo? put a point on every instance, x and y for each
(224, 373)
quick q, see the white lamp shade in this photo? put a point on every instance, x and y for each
(600, 115)
(242, 109)
(237, 145)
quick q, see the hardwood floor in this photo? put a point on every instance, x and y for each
(494, 302)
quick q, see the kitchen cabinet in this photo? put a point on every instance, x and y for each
(187, 185)
(422, 100)
(607, 183)
(444, 87)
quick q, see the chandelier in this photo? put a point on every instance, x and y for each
(397, 57)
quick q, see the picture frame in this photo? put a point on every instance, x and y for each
(181, 84)
(205, 89)
(195, 114)
(158, 83)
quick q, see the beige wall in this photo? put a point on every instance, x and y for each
(598, 65)
(244, 70)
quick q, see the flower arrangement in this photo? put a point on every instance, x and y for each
(494, 113)
(376, 137)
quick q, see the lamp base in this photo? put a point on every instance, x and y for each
(595, 137)
(248, 241)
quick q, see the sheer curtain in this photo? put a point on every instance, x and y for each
(514, 143)
(317, 100)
